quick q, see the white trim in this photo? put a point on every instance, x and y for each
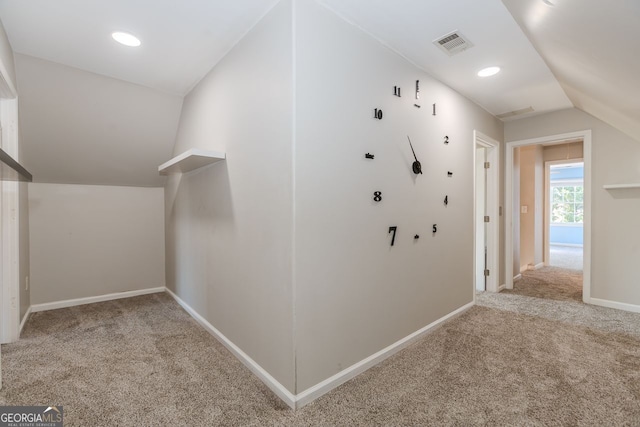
(503, 287)
(264, 376)
(492, 208)
(585, 135)
(614, 304)
(515, 278)
(312, 393)
(569, 245)
(345, 375)
(90, 300)
(10, 227)
(24, 321)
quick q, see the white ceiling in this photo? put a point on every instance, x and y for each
(181, 39)
(410, 26)
(592, 47)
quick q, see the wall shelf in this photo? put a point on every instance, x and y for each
(10, 170)
(191, 159)
(619, 186)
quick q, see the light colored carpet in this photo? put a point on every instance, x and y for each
(143, 361)
(549, 282)
(565, 257)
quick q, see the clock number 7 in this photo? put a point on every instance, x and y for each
(393, 238)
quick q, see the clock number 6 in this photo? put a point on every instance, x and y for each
(377, 196)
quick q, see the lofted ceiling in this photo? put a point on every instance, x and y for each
(592, 47)
(575, 53)
(181, 40)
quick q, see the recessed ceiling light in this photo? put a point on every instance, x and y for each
(126, 39)
(489, 71)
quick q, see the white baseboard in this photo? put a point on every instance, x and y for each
(24, 320)
(89, 300)
(312, 393)
(516, 277)
(503, 287)
(568, 245)
(614, 304)
(345, 375)
(273, 384)
(538, 266)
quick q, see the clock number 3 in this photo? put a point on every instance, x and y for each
(377, 196)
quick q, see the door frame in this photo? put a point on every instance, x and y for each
(492, 208)
(585, 136)
(9, 220)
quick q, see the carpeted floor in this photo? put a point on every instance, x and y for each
(143, 361)
(565, 257)
(549, 282)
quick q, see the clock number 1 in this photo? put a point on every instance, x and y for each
(393, 238)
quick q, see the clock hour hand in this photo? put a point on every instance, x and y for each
(417, 167)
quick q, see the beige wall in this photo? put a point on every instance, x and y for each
(229, 226)
(355, 294)
(89, 240)
(614, 230)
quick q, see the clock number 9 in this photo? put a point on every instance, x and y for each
(377, 196)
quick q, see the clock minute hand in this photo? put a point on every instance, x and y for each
(417, 167)
(412, 150)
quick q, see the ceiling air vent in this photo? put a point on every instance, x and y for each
(453, 43)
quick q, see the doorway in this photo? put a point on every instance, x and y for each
(564, 213)
(512, 195)
(486, 218)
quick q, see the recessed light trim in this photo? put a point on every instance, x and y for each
(126, 39)
(489, 71)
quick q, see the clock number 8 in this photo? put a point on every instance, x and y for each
(377, 196)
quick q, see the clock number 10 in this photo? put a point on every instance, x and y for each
(377, 114)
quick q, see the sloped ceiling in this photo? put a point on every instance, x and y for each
(181, 40)
(592, 47)
(83, 128)
(410, 27)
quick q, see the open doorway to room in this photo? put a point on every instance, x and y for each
(564, 214)
(547, 246)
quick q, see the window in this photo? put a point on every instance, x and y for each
(567, 203)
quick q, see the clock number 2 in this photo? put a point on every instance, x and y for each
(377, 196)
(393, 238)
